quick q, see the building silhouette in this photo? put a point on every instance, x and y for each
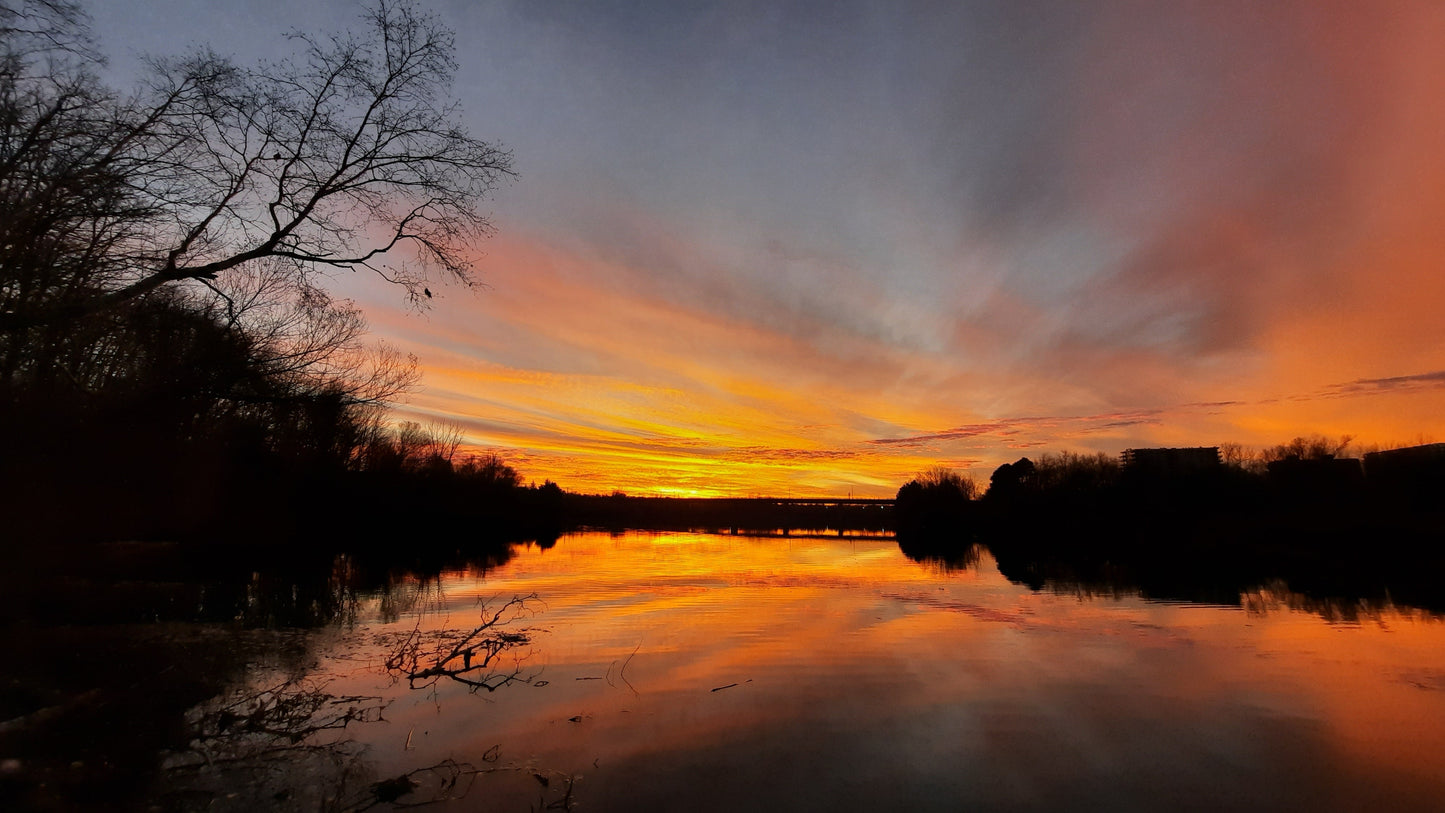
(1169, 463)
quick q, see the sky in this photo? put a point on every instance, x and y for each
(811, 249)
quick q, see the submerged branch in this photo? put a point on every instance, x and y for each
(467, 657)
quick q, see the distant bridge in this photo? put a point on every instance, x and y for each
(734, 513)
(816, 501)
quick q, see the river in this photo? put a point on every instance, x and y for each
(678, 671)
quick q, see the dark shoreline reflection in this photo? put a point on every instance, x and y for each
(1337, 585)
(253, 587)
(300, 742)
(114, 644)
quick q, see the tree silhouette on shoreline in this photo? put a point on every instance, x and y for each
(339, 158)
(168, 348)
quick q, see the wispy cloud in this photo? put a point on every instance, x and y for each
(1009, 429)
(1393, 384)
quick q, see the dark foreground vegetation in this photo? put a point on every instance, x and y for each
(172, 365)
(1186, 524)
(122, 642)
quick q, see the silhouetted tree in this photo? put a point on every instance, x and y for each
(945, 480)
(338, 158)
(1073, 473)
(1013, 480)
(932, 511)
(411, 448)
(162, 251)
(1313, 447)
(488, 471)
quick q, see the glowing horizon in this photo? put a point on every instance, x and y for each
(705, 427)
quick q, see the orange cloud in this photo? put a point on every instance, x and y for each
(1227, 231)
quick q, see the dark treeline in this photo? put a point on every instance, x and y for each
(1195, 525)
(171, 363)
(231, 583)
(300, 469)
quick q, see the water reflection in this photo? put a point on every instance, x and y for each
(683, 671)
(1335, 590)
(1276, 597)
(120, 641)
(472, 657)
(859, 681)
(284, 745)
(303, 743)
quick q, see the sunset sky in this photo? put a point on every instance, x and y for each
(813, 248)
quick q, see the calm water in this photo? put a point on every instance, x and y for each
(692, 672)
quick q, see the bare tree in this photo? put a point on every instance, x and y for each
(943, 477)
(489, 470)
(1243, 458)
(1314, 447)
(293, 336)
(349, 155)
(1072, 471)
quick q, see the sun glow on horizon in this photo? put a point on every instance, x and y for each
(1240, 244)
(575, 433)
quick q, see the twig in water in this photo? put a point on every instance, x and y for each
(622, 673)
(465, 657)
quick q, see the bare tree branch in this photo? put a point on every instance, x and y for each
(467, 657)
(344, 155)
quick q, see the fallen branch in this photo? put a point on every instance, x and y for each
(467, 657)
